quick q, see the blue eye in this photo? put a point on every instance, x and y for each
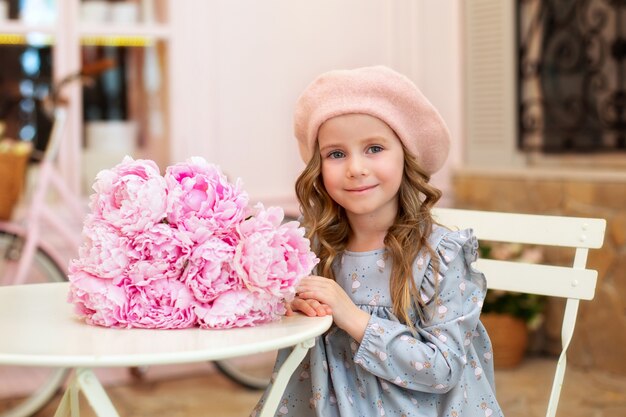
(375, 149)
(335, 154)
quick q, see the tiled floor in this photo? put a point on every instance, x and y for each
(523, 392)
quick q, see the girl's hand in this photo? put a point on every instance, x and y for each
(346, 314)
(309, 307)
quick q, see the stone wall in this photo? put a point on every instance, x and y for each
(600, 336)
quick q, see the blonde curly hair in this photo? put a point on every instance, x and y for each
(327, 227)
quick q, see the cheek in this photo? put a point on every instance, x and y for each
(329, 177)
(394, 173)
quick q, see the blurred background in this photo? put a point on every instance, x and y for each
(533, 91)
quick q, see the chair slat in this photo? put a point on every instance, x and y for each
(526, 228)
(548, 280)
(573, 283)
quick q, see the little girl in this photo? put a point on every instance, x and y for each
(406, 340)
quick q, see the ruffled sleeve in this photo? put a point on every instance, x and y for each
(434, 359)
(452, 245)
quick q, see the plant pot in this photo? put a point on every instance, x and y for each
(509, 338)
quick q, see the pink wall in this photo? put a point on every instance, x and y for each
(238, 67)
(440, 75)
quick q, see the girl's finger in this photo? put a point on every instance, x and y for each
(310, 295)
(304, 307)
(314, 282)
(315, 306)
(319, 307)
(312, 287)
(289, 311)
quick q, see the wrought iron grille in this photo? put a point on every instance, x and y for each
(572, 75)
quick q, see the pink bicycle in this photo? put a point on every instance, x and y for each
(29, 253)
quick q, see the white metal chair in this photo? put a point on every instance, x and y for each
(573, 283)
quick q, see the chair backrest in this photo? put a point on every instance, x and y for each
(574, 283)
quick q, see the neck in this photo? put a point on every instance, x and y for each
(367, 233)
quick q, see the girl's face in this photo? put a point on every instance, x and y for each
(362, 165)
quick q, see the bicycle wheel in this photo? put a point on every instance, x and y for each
(44, 268)
(252, 372)
(25, 390)
(26, 404)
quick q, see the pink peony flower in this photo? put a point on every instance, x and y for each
(240, 308)
(209, 272)
(202, 201)
(98, 301)
(163, 304)
(131, 196)
(159, 253)
(176, 252)
(272, 257)
(104, 252)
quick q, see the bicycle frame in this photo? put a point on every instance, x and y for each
(29, 241)
(29, 233)
(38, 210)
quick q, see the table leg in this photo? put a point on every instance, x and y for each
(74, 391)
(95, 394)
(86, 381)
(64, 409)
(284, 374)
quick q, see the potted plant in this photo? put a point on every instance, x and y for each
(509, 316)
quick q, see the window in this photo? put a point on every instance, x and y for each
(572, 76)
(544, 79)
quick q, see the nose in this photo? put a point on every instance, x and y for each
(357, 167)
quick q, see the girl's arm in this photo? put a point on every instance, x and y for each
(433, 359)
(346, 315)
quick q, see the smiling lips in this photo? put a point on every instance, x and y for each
(360, 189)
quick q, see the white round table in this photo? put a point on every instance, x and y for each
(39, 328)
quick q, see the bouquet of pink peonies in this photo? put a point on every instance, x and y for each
(183, 249)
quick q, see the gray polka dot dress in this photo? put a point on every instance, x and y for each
(445, 369)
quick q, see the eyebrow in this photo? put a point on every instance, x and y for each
(328, 147)
(380, 139)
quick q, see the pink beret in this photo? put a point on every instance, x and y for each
(380, 92)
